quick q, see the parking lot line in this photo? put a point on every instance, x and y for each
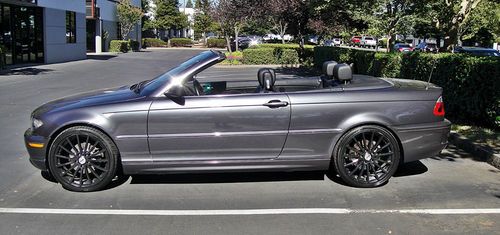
(286, 211)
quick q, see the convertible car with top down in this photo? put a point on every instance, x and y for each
(360, 127)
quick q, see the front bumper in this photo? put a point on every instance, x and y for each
(37, 149)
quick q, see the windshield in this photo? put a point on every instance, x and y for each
(159, 81)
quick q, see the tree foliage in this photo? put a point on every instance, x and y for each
(128, 16)
(167, 15)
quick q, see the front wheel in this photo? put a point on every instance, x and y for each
(83, 159)
(366, 156)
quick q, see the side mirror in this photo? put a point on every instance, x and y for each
(174, 92)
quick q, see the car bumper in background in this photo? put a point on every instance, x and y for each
(36, 146)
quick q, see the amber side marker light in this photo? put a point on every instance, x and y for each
(36, 145)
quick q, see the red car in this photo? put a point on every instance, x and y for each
(356, 41)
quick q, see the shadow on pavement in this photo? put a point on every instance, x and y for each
(24, 71)
(100, 57)
(411, 168)
(453, 154)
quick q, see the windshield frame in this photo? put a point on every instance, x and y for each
(179, 75)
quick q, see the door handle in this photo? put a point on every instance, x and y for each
(276, 104)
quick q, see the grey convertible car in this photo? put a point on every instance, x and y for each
(360, 127)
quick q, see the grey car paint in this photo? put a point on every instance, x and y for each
(238, 132)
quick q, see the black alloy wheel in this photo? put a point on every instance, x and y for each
(83, 159)
(367, 156)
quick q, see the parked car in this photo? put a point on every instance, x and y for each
(313, 39)
(333, 42)
(363, 127)
(478, 51)
(244, 42)
(403, 47)
(426, 47)
(368, 42)
(356, 41)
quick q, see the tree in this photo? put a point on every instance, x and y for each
(167, 16)
(189, 4)
(128, 16)
(202, 20)
(279, 12)
(218, 11)
(483, 25)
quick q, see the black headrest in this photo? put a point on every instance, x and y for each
(328, 68)
(267, 78)
(342, 72)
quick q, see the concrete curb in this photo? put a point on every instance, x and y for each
(475, 149)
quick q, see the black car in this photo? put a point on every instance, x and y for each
(477, 51)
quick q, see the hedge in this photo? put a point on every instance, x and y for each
(181, 42)
(471, 85)
(119, 46)
(284, 46)
(134, 45)
(259, 56)
(216, 42)
(153, 42)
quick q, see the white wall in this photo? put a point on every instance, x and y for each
(69, 5)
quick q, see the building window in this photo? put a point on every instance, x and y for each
(118, 31)
(70, 27)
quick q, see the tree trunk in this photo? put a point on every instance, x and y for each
(236, 31)
(228, 43)
(204, 35)
(452, 36)
(388, 43)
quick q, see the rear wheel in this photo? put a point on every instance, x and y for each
(83, 159)
(366, 156)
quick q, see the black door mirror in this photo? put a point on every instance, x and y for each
(176, 94)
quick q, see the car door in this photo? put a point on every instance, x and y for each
(218, 127)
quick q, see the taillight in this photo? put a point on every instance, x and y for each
(439, 107)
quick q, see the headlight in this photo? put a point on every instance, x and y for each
(36, 123)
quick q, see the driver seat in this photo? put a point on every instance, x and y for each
(267, 79)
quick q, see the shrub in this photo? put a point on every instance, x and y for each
(284, 46)
(259, 56)
(181, 42)
(286, 56)
(471, 87)
(235, 58)
(216, 42)
(153, 42)
(133, 45)
(119, 46)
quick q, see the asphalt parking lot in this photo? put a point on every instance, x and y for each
(447, 194)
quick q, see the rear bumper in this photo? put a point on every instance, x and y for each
(37, 154)
(423, 140)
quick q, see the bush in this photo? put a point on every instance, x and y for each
(284, 46)
(286, 56)
(259, 56)
(153, 42)
(216, 42)
(181, 42)
(471, 87)
(133, 45)
(235, 58)
(119, 46)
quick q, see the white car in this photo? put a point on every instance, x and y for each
(368, 41)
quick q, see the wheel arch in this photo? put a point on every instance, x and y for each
(368, 123)
(59, 130)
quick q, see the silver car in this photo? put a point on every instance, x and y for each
(361, 127)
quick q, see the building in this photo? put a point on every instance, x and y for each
(103, 25)
(51, 31)
(42, 31)
(187, 32)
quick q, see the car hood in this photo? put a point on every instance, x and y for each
(87, 99)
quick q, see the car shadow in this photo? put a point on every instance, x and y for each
(100, 57)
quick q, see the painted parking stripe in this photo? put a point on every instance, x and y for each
(288, 211)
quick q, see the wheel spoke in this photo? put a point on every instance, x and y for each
(355, 150)
(385, 146)
(63, 157)
(349, 164)
(98, 167)
(384, 154)
(97, 153)
(94, 173)
(374, 147)
(81, 177)
(355, 169)
(370, 146)
(62, 147)
(63, 164)
(78, 143)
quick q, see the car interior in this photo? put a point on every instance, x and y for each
(333, 74)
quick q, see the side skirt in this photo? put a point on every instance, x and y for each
(260, 165)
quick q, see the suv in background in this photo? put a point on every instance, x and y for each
(403, 47)
(368, 42)
(356, 41)
(427, 47)
(333, 42)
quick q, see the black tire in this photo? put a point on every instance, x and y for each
(366, 156)
(83, 159)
